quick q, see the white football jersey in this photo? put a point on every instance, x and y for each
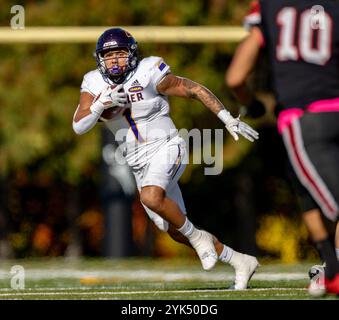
(145, 125)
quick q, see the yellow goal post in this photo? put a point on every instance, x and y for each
(150, 34)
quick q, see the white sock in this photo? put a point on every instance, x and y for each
(337, 252)
(226, 254)
(188, 229)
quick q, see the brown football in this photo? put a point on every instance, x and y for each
(110, 113)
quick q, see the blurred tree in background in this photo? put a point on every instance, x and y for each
(49, 176)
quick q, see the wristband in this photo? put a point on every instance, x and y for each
(97, 108)
(224, 116)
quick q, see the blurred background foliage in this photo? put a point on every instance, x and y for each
(49, 176)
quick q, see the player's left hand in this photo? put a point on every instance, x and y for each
(235, 127)
(254, 110)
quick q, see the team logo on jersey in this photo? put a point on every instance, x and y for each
(135, 87)
(161, 65)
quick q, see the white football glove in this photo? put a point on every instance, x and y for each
(108, 98)
(235, 126)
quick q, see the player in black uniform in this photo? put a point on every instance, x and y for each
(302, 40)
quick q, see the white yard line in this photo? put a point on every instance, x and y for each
(155, 275)
(150, 292)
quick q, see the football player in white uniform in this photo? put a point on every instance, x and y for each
(150, 140)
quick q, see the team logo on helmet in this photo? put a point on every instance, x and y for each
(110, 44)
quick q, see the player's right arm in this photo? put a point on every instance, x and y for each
(242, 65)
(84, 119)
(240, 68)
(83, 109)
(244, 61)
(90, 108)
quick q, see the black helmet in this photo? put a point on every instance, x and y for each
(116, 38)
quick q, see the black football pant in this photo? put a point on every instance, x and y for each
(312, 144)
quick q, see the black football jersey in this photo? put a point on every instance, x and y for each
(302, 39)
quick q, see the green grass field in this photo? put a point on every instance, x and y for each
(155, 279)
